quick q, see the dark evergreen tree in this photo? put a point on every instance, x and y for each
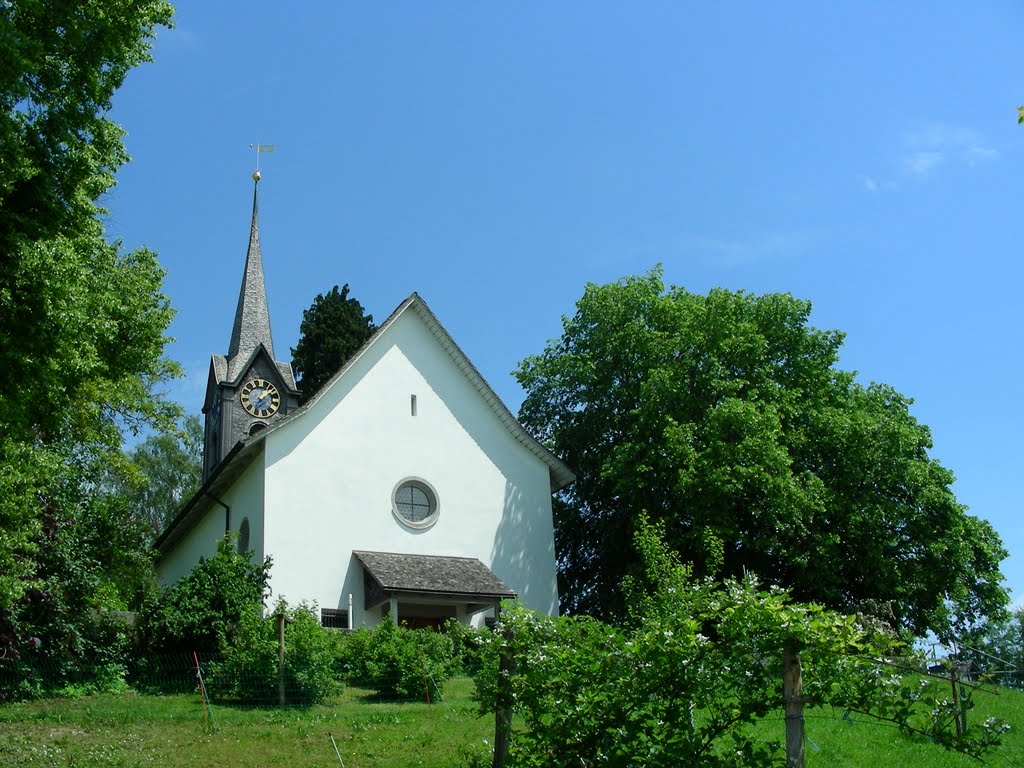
(333, 329)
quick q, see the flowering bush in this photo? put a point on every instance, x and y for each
(696, 665)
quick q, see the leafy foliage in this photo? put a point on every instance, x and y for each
(92, 566)
(82, 323)
(249, 672)
(467, 645)
(996, 649)
(696, 667)
(203, 610)
(397, 662)
(726, 417)
(163, 472)
(62, 64)
(333, 329)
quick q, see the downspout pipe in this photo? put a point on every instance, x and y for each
(227, 511)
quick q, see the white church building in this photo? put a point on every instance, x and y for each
(404, 487)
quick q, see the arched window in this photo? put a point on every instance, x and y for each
(243, 536)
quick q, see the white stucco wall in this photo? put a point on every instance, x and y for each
(331, 472)
(245, 499)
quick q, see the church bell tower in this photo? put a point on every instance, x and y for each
(247, 389)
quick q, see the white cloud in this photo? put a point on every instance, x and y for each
(873, 185)
(920, 163)
(935, 144)
(927, 149)
(977, 154)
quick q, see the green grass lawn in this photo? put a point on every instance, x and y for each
(861, 742)
(125, 731)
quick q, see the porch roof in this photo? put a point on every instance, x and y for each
(437, 575)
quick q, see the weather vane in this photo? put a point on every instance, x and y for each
(260, 149)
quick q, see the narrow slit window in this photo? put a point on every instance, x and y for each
(412, 404)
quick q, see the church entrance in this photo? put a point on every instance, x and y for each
(424, 616)
(421, 591)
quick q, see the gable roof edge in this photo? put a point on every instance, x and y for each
(561, 475)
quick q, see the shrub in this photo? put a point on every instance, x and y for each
(249, 671)
(688, 677)
(397, 662)
(467, 646)
(202, 611)
(70, 633)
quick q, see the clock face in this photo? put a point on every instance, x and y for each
(260, 398)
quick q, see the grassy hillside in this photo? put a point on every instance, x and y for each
(859, 742)
(129, 731)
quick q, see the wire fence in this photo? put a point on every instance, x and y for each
(217, 680)
(214, 684)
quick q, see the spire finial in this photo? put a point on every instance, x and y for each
(260, 149)
(252, 317)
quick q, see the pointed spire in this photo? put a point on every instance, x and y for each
(252, 316)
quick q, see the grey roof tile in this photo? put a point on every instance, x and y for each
(220, 367)
(285, 369)
(433, 573)
(252, 315)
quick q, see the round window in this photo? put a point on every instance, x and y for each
(414, 503)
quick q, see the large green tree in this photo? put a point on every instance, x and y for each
(333, 329)
(164, 471)
(82, 322)
(726, 418)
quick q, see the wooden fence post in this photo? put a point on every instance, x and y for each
(958, 702)
(280, 658)
(792, 689)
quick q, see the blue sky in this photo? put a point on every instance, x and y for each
(863, 156)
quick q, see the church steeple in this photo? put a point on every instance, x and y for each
(252, 315)
(247, 389)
